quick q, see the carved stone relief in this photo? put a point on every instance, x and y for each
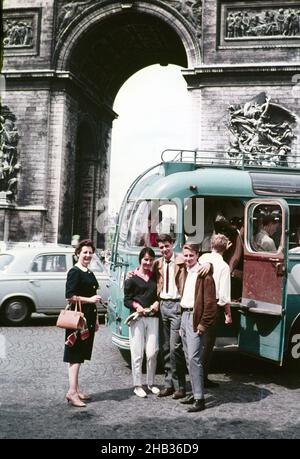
(67, 11)
(262, 22)
(21, 31)
(9, 165)
(17, 33)
(191, 10)
(261, 133)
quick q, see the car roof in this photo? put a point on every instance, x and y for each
(32, 249)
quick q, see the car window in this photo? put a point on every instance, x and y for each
(49, 263)
(5, 260)
(96, 264)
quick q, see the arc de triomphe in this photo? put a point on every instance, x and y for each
(64, 62)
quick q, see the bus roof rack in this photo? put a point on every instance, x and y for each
(243, 160)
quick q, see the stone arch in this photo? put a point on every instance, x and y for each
(96, 14)
(85, 179)
(97, 51)
(80, 182)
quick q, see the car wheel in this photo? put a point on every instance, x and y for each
(15, 311)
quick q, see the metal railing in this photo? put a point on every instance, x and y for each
(241, 160)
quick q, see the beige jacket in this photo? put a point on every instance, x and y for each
(179, 273)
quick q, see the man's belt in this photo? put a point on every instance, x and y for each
(186, 310)
(176, 300)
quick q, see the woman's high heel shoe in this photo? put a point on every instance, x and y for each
(75, 400)
(84, 396)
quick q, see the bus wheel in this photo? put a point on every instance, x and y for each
(293, 356)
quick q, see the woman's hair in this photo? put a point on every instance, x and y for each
(83, 243)
(146, 251)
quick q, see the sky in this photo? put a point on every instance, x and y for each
(154, 113)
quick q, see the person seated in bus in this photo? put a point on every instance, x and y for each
(148, 239)
(140, 296)
(295, 241)
(263, 241)
(221, 276)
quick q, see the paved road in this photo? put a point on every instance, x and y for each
(254, 400)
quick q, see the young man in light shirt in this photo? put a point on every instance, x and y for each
(170, 274)
(221, 275)
(199, 310)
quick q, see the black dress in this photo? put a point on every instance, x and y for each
(82, 283)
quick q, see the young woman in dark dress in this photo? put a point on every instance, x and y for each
(81, 286)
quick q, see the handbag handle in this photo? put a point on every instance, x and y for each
(77, 305)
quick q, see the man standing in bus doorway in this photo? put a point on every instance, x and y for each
(221, 276)
(170, 275)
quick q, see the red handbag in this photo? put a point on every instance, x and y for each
(72, 320)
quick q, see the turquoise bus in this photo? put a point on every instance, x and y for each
(187, 190)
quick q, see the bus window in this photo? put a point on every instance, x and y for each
(205, 216)
(266, 228)
(150, 218)
(294, 240)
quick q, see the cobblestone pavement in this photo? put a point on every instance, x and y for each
(254, 400)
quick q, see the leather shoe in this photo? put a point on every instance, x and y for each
(209, 384)
(166, 392)
(198, 405)
(189, 400)
(75, 400)
(178, 394)
(84, 396)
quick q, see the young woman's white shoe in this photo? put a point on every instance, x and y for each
(155, 390)
(139, 391)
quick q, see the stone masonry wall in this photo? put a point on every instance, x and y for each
(258, 51)
(67, 167)
(41, 57)
(58, 121)
(31, 110)
(26, 225)
(213, 103)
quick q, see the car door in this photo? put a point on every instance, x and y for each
(262, 321)
(47, 281)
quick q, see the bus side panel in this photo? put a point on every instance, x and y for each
(293, 297)
(261, 282)
(261, 335)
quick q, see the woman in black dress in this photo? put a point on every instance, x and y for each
(81, 286)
